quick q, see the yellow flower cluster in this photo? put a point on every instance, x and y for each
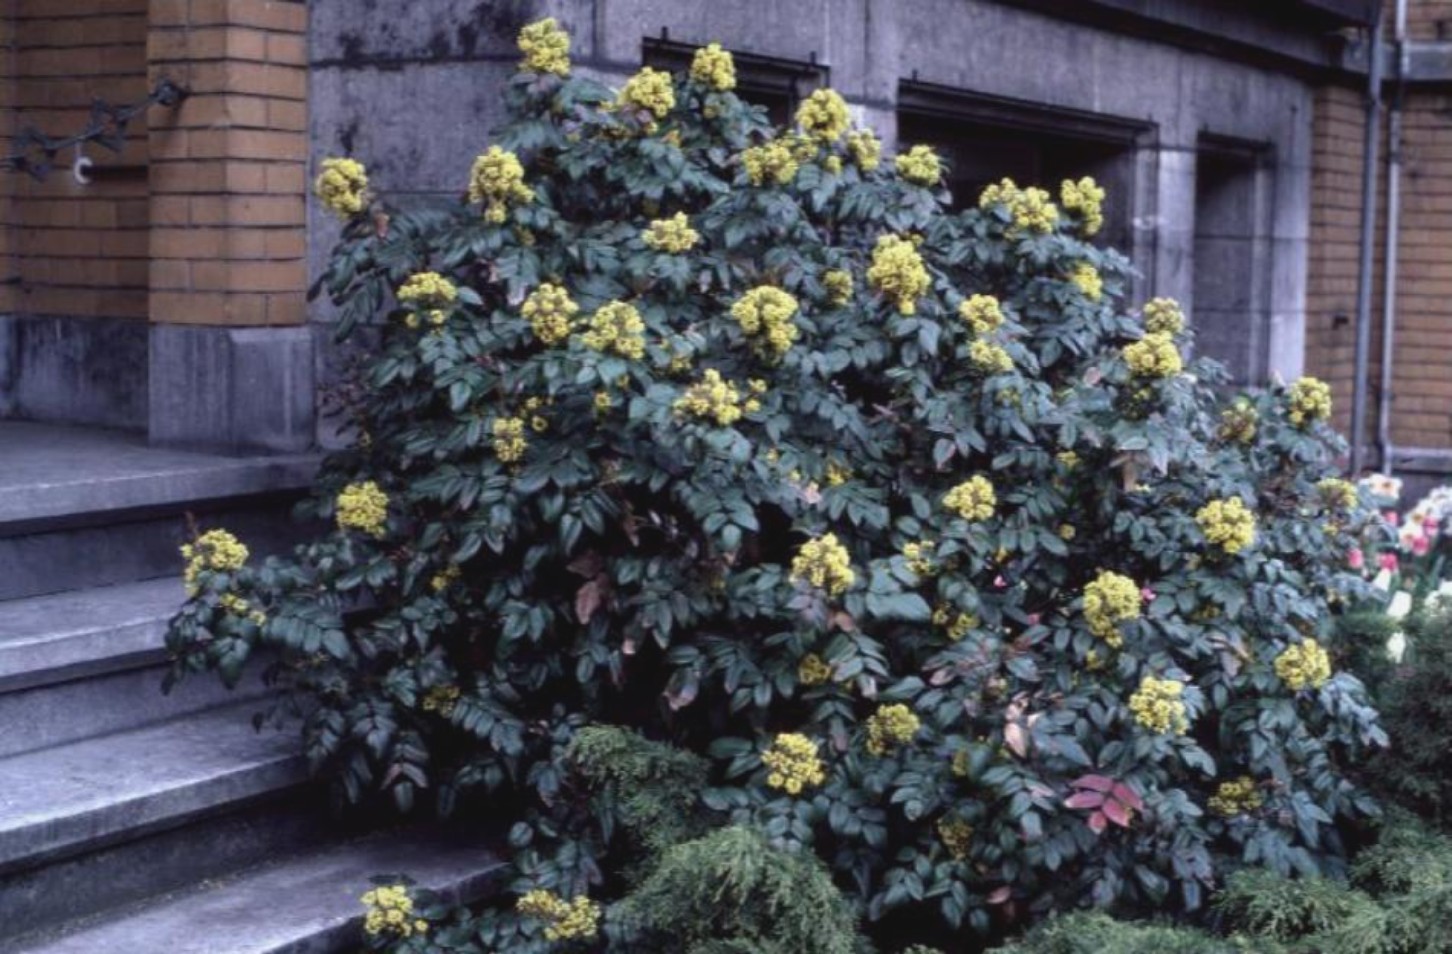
(837, 474)
(234, 605)
(342, 186)
(838, 284)
(617, 327)
(897, 271)
(765, 313)
(889, 727)
(1238, 796)
(648, 91)
(989, 358)
(956, 625)
(1163, 316)
(550, 312)
(813, 670)
(823, 116)
(714, 398)
(1153, 356)
(1304, 666)
(509, 440)
(770, 162)
(824, 563)
(982, 312)
(1087, 279)
(564, 920)
(390, 911)
(1110, 599)
(793, 763)
(1031, 208)
(546, 48)
(445, 577)
(497, 179)
(1338, 493)
(714, 67)
(973, 500)
(918, 554)
(1310, 401)
(919, 165)
(1227, 524)
(363, 507)
(1087, 198)
(1238, 422)
(1157, 705)
(427, 289)
(441, 699)
(215, 550)
(957, 837)
(673, 235)
(866, 149)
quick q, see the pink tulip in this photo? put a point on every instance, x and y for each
(1421, 545)
(1389, 562)
(1355, 558)
(1390, 516)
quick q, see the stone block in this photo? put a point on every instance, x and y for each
(74, 370)
(232, 389)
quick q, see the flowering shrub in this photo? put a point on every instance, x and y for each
(712, 438)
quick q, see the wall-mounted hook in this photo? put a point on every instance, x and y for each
(81, 168)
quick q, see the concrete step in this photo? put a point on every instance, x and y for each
(82, 508)
(107, 820)
(307, 903)
(74, 665)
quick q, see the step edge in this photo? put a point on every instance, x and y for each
(94, 828)
(246, 477)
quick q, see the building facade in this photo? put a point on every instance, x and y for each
(167, 294)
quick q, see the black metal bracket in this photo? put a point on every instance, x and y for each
(34, 152)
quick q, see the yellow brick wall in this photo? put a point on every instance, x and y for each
(1422, 382)
(77, 250)
(228, 168)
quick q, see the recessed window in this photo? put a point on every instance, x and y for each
(985, 138)
(1232, 265)
(777, 84)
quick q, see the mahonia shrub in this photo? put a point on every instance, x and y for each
(948, 563)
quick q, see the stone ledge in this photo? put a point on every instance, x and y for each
(51, 472)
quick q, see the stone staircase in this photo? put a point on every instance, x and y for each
(133, 822)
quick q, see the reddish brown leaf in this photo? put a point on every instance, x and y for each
(1127, 796)
(588, 565)
(587, 600)
(1097, 823)
(1084, 800)
(1117, 813)
(1098, 783)
(1000, 895)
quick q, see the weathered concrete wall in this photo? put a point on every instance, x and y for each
(411, 88)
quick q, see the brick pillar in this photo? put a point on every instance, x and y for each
(8, 274)
(231, 357)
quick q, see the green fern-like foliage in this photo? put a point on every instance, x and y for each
(1100, 934)
(1417, 707)
(731, 891)
(651, 788)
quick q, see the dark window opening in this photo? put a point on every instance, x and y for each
(1230, 314)
(987, 138)
(775, 83)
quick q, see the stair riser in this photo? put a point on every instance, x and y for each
(100, 704)
(180, 857)
(53, 556)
